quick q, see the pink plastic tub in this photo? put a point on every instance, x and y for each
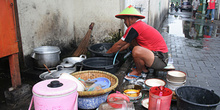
(55, 94)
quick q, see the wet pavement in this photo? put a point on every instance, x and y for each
(195, 49)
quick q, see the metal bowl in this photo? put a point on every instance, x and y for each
(74, 60)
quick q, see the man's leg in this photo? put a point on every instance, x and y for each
(142, 57)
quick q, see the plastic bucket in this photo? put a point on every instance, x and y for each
(100, 63)
(196, 98)
(99, 50)
(55, 94)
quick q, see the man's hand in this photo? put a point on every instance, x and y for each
(117, 46)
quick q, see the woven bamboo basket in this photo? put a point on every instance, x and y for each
(91, 74)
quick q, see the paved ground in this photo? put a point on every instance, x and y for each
(199, 57)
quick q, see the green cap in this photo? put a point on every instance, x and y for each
(130, 11)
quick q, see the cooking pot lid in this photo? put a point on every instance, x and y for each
(54, 87)
(46, 49)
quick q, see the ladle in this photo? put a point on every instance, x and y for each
(47, 68)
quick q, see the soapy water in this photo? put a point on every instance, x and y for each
(102, 49)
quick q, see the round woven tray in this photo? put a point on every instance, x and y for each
(91, 74)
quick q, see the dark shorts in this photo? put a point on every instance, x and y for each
(160, 60)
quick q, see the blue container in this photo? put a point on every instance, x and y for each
(92, 102)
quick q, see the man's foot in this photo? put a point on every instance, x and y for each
(130, 77)
(144, 70)
(133, 75)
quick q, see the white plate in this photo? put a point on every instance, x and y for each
(80, 86)
(145, 102)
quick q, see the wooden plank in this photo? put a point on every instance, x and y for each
(8, 38)
(15, 70)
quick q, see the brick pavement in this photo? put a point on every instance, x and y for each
(201, 65)
(200, 59)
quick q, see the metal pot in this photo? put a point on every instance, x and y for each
(55, 74)
(48, 55)
(73, 60)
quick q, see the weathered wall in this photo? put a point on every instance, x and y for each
(64, 23)
(154, 10)
(45, 22)
(141, 5)
(102, 13)
(158, 9)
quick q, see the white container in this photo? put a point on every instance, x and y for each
(55, 94)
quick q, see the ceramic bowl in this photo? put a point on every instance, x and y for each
(154, 82)
(176, 76)
(173, 85)
(92, 102)
(135, 98)
(132, 90)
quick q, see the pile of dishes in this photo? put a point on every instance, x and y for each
(92, 99)
(66, 66)
(175, 79)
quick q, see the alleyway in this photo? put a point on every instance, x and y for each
(195, 48)
(194, 45)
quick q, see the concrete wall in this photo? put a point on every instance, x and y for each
(141, 5)
(45, 22)
(158, 9)
(64, 23)
(102, 13)
(154, 10)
